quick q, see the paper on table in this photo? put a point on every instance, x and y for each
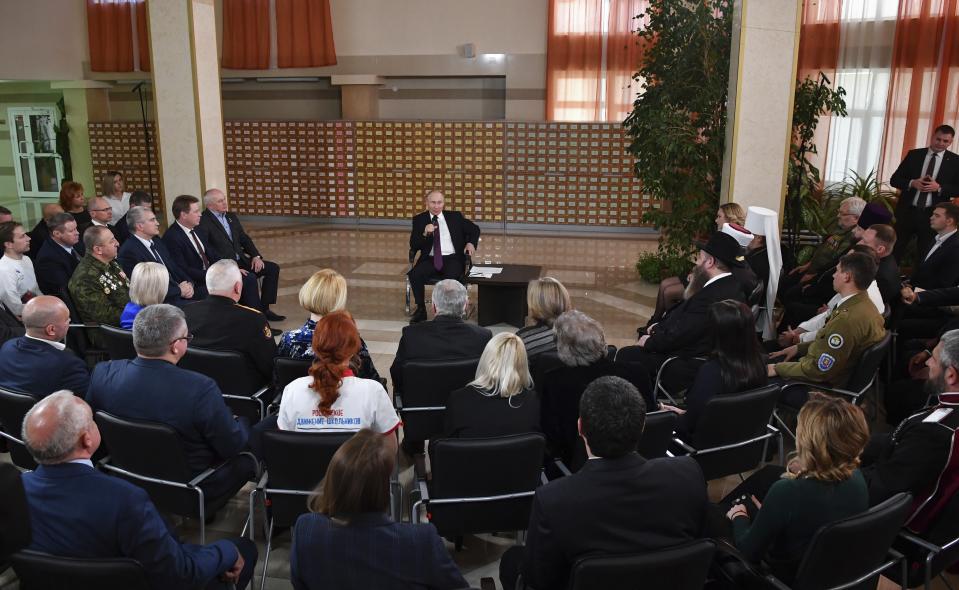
(486, 269)
(481, 275)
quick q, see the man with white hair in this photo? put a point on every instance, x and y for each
(220, 323)
(144, 246)
(77, 511)
(38, 363)
(152, 388)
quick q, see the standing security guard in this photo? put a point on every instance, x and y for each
(852, 327)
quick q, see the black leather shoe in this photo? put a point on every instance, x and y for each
(418, 316)
(272, 317)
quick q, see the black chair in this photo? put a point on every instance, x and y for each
(286, 370)
(81, 338)
(295, 463)
(733, 432)
(151, 455)
(467, 263)
(659, 387)
(243, 391)
(426, 387)
(829, 564)
(118, 342)
(481, 485)
(14, 405)
(683, 567)
(657, 434)
(934, 550)
(41, 571)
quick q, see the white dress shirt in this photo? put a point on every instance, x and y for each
(446, 242)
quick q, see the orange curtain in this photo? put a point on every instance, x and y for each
(304, 34)
(924, 90)
(574, 60)
(819, 52)
(110, 35)
(143, 39)
(246, 34)
(624, 53)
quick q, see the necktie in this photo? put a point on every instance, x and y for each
(156, 254)
(437, 248)
(76, 254)
(930, 170)
(199, 249)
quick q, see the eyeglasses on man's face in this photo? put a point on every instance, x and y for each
(188, 338)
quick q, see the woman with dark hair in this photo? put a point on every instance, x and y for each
(332, 398)
(735, 364)
(348, 541)
(73, 202)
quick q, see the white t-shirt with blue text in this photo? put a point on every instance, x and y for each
(362, 403)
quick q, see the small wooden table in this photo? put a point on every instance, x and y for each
(502, 297)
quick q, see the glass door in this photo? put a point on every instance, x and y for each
(38, 166)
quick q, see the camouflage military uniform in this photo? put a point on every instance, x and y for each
(826, 255)
(852, 327)
(100, 291)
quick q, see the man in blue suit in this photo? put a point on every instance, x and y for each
(142, 246)
(59, 255)
(76, 511)
(188, 243)
(151, 387)
(38, 363)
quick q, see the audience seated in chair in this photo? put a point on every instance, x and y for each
(77, 511)
(18, 281)
(446, 337)
(821, 485)
(546, 299)
(681, 332)
(120, 226)
(10, 325)
(853, 326)
(99, 288)
(581, 358)
(332, 398)
(40, 232)
(936, 268)
(322, 293)
(881, 238)
(151, 387)
(144, 245)
(148, 286)
(919, 455)
(348, 541)
(617, 503)
(38, 363)
(219, 322)
(99, 213)
(60, 254)
(735, 364)
(501, 400)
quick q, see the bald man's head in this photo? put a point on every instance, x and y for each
(60, 428)
(46, 317)
(51, 209)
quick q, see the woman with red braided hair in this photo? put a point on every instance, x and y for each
(332, 398)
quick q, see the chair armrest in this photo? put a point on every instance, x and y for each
(261, 483)
(203, 475)
(259, 392)
(686, 447)
(924, 544)
(543, 480)
(423, 489)
(10, 437)
(398, 401)
(776, 583)
(86, 326)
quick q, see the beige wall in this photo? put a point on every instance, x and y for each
(43, 39)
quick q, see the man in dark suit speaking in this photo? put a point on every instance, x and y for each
(442, 238)
(926, 177)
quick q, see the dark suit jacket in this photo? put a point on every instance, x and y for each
(240, 247)
(38, 368)
(472, 414)
(159, 391)
(133, 252)
(887, 279)
(185, 256)
(380, 553)
(219, 324)
(14, 514)
(10, 326)
(911, 168)
(462, 231)
(54, 266)
(121, 229)
(941, 269)
(938, 297)
(623, 505)
(76, 511)
(38, 235)
(443, 338)
(683, 331)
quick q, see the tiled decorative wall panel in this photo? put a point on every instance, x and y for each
(537, 173)
(121, 147)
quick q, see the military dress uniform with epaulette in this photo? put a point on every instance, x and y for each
(829, 252)
(99, 290)
(218, 323)
(852, 327)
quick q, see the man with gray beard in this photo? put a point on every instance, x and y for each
(684, 330)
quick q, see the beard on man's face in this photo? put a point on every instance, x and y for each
(936, 385)
(697, 281)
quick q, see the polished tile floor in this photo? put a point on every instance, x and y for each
(598, 271)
